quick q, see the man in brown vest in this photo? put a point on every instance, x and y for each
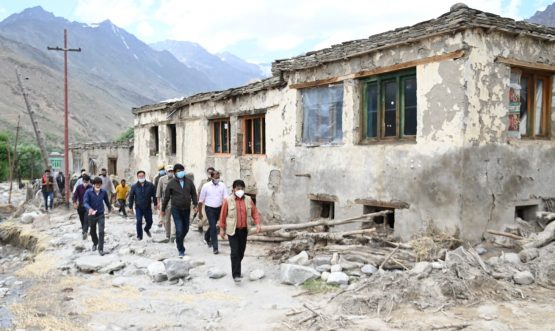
(238, 212)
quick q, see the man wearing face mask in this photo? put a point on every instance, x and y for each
(238, 212)
(94, 201)
(160, 190)
(107, 184)
(161, 172)
(79, 180)
(212, 196)
(203, 221)
(143, 195)
(182, 192)
(78, 196)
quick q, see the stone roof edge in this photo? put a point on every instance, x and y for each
(124, 144)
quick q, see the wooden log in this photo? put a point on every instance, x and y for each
(539, 239)
(336, 236)
(267, 239)
(326, 222)
(545, 215)
(505, 234)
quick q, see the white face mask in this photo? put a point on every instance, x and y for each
(215, 181)
(142, 180)
(239, 193)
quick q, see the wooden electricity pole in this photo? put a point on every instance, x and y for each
(13, 160)
(66, 129)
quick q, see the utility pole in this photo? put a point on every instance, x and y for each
(14, 160)
(38, 136)
(66, 129)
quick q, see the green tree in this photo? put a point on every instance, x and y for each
(4, 146)
(29, 161)
(125, 135)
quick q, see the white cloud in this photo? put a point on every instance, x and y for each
(271, 25)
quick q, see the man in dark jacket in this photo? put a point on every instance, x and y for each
(94, 201)
(181, 191)
(48, 189)
(78, 204)
(143, 195)
(61, 181)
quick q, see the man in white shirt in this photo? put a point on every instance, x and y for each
(212, 196)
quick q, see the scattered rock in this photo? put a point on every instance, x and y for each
(196, 263)
(28, 218)
(323, 267)
(421, 269)
(481, 250)
(322, 260)
(336, 268)
(157, 271)
(215, 273)
(177, 268)
(437, 265)
(368, 269)
(325, 275)
(92, 263)
(334, 259)
(113, 267)
(3, 292)
(124, 251)
(523, 278)
(256, 274)
(528, 254)
(293, 274)
(338, 278)
(300, 259)
(119, 282)
(79, 248)
(347, 265)
(510, 258)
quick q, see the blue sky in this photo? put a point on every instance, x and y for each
(261, 30)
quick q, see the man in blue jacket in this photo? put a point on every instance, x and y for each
(94, 201)
(143, 194)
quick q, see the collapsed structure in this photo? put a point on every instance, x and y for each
(448, 122)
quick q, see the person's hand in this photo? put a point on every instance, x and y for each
(162, 213)
(258, 228)
(222, 233)
(131, 211)
(75, 205)
(200, 215)
(196, 209)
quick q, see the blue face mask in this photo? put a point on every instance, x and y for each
(180, 174)
(162, 172)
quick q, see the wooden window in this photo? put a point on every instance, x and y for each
(322, 114)
(112, 165)
(172, 139)
(221, 137)
(390, 106)
(535, 104)
(254, 133)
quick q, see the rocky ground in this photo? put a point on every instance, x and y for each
(51, 280)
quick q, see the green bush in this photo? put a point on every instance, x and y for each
(126, 135)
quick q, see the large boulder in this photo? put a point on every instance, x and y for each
(93, 263)
(300, 259)
(256, 274)
(28, 218)
(322, 260)
(157, 271)
(523, 278)
(338, 278)
(215, 273)
(293, 274)
(368, 269)
(177, 268)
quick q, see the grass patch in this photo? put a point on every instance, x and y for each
(318, 286)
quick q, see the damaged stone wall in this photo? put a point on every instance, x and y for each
(501, 173)
(95, 156)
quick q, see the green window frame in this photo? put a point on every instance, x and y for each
(390, 106)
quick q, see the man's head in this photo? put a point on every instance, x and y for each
(179, 170)
(103, 172)
(141, 176)
(122, 182)
(209, 171)
(216, 175)
(83, 171)
(60, 173)
(97, 183)
(239, 188)
(86, 180)
(47, 172)
(169, 170)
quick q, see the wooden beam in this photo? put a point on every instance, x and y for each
(381, 70)
(526, 64)
(323, 197)
(383, 204)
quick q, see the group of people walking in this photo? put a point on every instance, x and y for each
(174, 196)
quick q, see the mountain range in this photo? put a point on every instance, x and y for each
(114, 72)
(545, 17)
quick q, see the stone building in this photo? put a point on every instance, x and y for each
(117, 158)
(448, 122)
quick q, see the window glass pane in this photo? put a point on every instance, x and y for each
(217, 147)
(372, 109)
(538, 102)
(410, 106)
(523, 105)
(248, 133)
(390, 108)
(322, 114)
(256, 138)
(263, 135)
(225, 137)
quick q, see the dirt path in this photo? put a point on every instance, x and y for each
(58, 296)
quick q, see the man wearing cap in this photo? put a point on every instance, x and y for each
(182, 192)
(161, 172)
(166, 220)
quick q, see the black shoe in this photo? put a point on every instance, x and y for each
(94, 248)
(84, 236)
(101, 252)
(216, 252)
(139, 238)
(148, 233)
